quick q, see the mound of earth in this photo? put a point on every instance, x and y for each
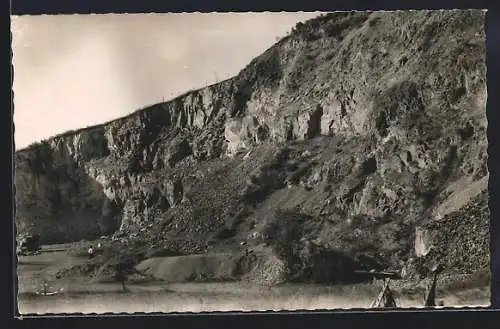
(362, 134)
(262, 265)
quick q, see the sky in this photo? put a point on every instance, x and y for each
(74, 71)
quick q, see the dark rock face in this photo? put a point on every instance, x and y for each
(58, 200)
(370, 125)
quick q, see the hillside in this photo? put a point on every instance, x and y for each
(360, 139)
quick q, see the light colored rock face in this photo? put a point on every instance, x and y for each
(243, 133)
(423, 243)
(232, 134)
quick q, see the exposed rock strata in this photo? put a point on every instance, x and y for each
(370, 124)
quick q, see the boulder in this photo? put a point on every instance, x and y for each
(423, 242)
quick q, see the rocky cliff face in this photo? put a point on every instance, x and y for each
(371, 125)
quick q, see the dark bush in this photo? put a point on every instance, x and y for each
(226, 233)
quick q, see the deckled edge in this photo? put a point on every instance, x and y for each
(21, 316)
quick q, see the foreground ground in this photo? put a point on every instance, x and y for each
(81, 295)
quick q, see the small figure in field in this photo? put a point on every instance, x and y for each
(121, 276)
(91, 252)
(123, 270)
(99, 245)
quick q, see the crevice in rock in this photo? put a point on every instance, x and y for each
(343, 110)
(368, 167)
(289, 133)
(314, 127)
(381, 124)
(466, 132)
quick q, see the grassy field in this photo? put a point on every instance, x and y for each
(79, 294)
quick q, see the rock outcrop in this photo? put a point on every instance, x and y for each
(368, 124)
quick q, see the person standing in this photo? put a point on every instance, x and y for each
(91, 252)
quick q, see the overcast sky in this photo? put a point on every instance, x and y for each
(72, 71)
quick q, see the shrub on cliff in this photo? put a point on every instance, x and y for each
(41, 159)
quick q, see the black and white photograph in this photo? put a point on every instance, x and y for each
(251, 161)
